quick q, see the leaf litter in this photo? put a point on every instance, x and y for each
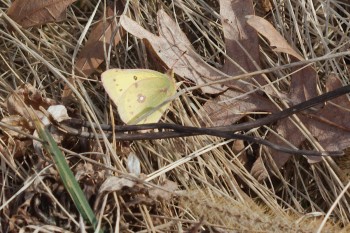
(328, 124)
(175, 50)
(214, 181)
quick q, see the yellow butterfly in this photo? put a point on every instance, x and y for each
(137, 92)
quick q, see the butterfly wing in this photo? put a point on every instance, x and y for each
(117, 81)
(137, 92)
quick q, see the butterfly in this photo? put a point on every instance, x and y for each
(139, 92)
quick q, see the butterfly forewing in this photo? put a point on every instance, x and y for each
(137, 92)
(117, 81)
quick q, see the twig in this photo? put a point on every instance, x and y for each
(229, 131)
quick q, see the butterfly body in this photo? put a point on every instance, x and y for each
(138, 93)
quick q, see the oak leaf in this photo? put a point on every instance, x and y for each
(329, 124)
(241, 42)
(175, 50)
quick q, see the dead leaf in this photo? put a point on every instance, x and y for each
(238, 149)
(20, 103)
(27, 96)
(93, 53)
(19, 123)
(29, 13)
(175, 50)
(90, 177)
(241, 41)
(14, 149)
(103, 35)
(259, 170)
(227, 108)
(277, 42)
(330, 125)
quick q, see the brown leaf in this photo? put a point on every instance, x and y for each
(225, 110)
(238, 149)
(175, 50)
(19, 123)
(301, 89)
(104, 34)
(26, 95)
(90, 177)
(239, 35)
(92, 54)
(266, 29)
(330, 125)
(258, 170)
(173, 47)
(14, 149)
(29, 13)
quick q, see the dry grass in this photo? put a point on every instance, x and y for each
(213, 183)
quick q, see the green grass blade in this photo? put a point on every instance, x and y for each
(67, 176)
